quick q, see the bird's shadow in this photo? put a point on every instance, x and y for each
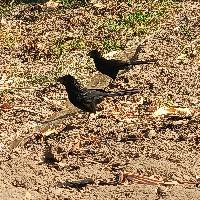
(62, 133)
(69, 127)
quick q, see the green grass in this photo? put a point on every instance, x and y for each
(77, 44)
(38, 79)
(134, 20)
(136, 17)
(145, 17)
(4, 8)
(71, 3)
(60, 46)
(109, 45)
(9, 40)
(68, 3)
(141, 18)
(113, 25)
(186, 31)
(130, 2)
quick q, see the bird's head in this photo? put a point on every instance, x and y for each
(66, 80)
(94, 54)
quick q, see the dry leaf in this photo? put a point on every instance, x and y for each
(3, 21)
(170, 183)
(141, 179)
(167, 111)
(182, 57)
(152, 180)
(5, 106)
(74, 146)
(99, 5)
(77, 145)
(111, 54)
(198, 178)
(3, 79)
(52, 4)
(49, 132)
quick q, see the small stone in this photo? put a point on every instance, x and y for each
(152, 133)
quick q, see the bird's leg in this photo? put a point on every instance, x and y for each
(86, 122)
(88, 118)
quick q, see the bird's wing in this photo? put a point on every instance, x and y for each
(98, 94)
(100, 91)
(90, 106)
(117, 63)
(139, 62)
(86, 101)
(94, 96)
(111, 63)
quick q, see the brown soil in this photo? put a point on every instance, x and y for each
(124, 136)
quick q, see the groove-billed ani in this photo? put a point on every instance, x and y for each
(112, 67)
(87, 99)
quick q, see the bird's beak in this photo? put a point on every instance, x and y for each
(59, 80)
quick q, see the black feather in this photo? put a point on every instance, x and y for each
(112, 67)
(87, 99)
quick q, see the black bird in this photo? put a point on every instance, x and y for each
(87, 99)
(112, 67)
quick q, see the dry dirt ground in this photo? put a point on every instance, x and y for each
(125, 149)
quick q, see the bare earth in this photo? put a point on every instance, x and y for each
(41, 42)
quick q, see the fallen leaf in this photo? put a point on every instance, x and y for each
(151, 180)
(74, 146)
(99, 5)
(166, 111)
(5, 106)
(52, 4)
(182, 57)
(141, 179)
(170, 183)
(3, 21)
(49, 132)
(3, 79)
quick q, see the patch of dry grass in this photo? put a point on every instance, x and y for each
(40, 34)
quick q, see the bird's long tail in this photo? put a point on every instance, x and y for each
(139, 62)
(123, 92)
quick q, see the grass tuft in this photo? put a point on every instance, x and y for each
(109, 45)
(60, 46)
(136, 17)
(9, 40)
(186, 31)
(72, 3)
(137, 20)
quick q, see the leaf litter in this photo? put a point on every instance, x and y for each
(87, 151)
